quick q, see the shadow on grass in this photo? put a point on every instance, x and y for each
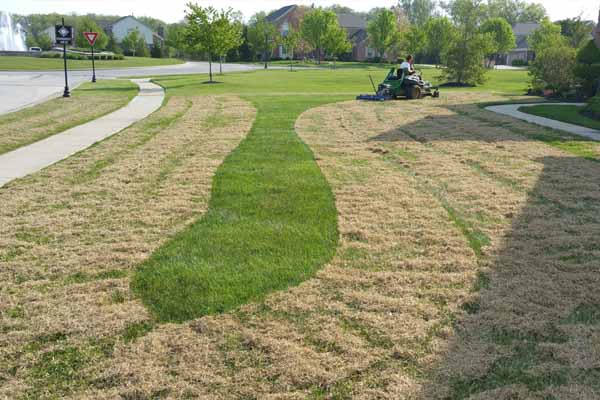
(532, 330)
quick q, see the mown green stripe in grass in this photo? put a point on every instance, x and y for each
(271, 224)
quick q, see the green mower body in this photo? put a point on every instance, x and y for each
(398, 83)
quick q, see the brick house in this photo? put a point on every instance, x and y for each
(285, 19)
(356, 26)
(290, 17)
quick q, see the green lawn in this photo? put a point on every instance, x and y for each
(564, 113)
(10, 63)
(88, 102)
(271, 221)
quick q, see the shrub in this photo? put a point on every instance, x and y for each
(519, 63)
(587, 69)
(553, 69)
(593, 107)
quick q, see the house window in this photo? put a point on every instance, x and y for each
(285, 28)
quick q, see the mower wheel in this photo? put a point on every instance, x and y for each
(414, 92)
(436, 94)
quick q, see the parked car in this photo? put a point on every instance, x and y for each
(35, 49)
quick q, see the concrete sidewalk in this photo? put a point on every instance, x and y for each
(36, 156)
(513, 111)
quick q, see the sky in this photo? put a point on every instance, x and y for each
(173, 10)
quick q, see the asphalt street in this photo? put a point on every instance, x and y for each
(19, 89)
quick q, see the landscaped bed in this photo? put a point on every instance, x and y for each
(88, 102)
(566, 113)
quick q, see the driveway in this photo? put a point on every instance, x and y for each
(19, 89)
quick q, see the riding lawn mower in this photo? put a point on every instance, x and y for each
(399, 83)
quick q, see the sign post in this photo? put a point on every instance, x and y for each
(91, 38)
(64, 36)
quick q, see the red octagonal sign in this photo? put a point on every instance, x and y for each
(91, 37)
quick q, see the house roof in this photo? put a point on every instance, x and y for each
(278, 14)
(352, 21)
(524, 29)
(359, 36)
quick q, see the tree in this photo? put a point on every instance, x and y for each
(587, 69)
(439, 35)
(336, 42)
(547, 35)
(263, 37)
(464, 61)
(339, 9)
(30, 41)
(502, 36)
(230, 30)
(87, 24)
(417, 11)
(316, 26)
(534, 12)
(414, 40)
(175, 39)
(383, 32)
(514, 11)
(204, 32)
(553, 68)
(157, 50)
(576, 31)
(112, 45)
(44, 41)
(129, 42)
(290, 42)
(141, 48)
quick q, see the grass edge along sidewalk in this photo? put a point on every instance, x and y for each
(563, 113)
(271, 224)
(59, 114)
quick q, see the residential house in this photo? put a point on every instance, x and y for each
(522, 51)
(290, 17)
(124, 26)
(120, 28)
(356, 26)
(286, 19)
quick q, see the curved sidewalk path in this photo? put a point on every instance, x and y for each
(36, 156)
(512, 110)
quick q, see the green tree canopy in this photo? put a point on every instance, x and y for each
(336, 42)
(383, 31)
(576, 31)
(418, 11)
(587, 69)
(316, 27)
(87, 24)
(207, 31)
(501, 34)
(547, 35)
(514, 11)
(130, 42)
(263, 36)
(464, 61)
(553, 68)
(440, 33)
(291, 41)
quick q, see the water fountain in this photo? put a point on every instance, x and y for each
(11, 36)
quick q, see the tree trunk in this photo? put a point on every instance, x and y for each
(210, 68)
